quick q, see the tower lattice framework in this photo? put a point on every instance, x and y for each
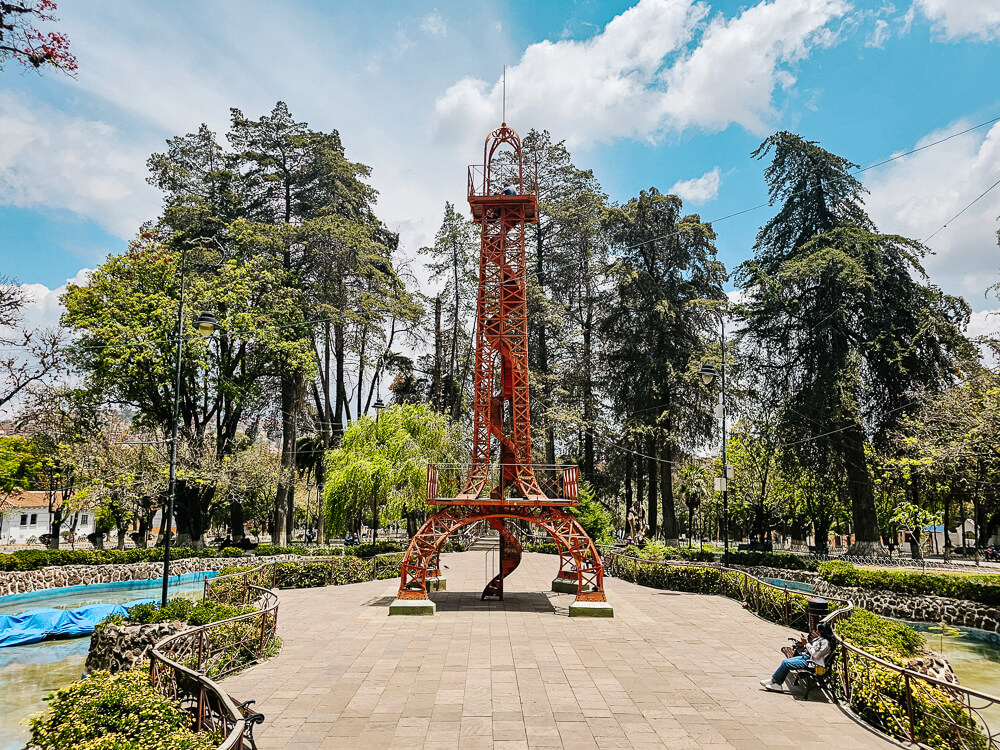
(502, 483)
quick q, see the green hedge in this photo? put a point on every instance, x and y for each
(116, 712)
(35, 559)
(976, 588)
(301, 575)
(878, 694)
(184, 610)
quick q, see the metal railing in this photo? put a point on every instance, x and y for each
(558, 482)
(898, 702)
(182, 666)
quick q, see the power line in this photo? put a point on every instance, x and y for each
(943, 226)
(854, 172)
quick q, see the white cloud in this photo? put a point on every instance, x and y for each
(956, 19)
(916, 195)
(638, 79)
(879, 34)
(84, 166)
(434, 24)
(43, 308)
(699, 189)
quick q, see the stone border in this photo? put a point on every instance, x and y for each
(60, 576)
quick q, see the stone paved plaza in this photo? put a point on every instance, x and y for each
(670, 670)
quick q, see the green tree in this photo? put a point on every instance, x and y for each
(838, 318)
(652, 331)
(454, 260)
(380, 470)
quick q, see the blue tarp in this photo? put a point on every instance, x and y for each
(38, 624)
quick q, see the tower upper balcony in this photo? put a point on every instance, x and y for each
(488, 195)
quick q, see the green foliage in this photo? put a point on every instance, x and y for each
(19, 463)
(301, 575)
(878, 694)
(116, 712)
(184, 610)
(593, 516)
(839, 309)
(369, 549)
(892, 641)
(984, 589)
(384, 462)
(785, 560)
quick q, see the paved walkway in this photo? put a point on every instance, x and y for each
(670, 670)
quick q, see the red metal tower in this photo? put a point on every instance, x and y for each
(511, 487)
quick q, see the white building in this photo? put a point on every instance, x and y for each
(24, 518)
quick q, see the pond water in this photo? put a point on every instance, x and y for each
(805, 588)
(29, 673)
(974, 656)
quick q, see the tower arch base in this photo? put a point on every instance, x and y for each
(579, 561)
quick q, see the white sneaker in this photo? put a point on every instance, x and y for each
(773, 687)
(766, 682)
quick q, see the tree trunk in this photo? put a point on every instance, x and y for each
(640, 483)
(670, 530)
(859, 484)
(285, 496)
(236, 521)
(628, 495)
(588, 404)
(947, 525)
(651, 469)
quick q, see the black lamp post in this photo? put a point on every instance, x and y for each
(206, 327)
(708, 374)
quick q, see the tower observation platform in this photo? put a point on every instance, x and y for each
(501, 486)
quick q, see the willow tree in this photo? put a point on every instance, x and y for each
(380, 470)
(841, 318)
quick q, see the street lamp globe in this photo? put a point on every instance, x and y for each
(206, 324)
(707, 373)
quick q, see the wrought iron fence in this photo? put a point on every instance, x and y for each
(898, 702)
(182, 666)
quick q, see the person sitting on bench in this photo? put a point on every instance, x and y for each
(816, 647)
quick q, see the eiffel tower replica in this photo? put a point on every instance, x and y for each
(502, 488)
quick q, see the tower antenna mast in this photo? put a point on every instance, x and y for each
(503, 117)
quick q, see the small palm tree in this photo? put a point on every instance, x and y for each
(693, 489)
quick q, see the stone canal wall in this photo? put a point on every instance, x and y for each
(919, 608)
(118, 647)
(24, 581)
(959, 612)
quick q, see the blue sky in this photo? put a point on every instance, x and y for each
(667, 93)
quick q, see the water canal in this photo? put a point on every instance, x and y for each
(29, 673)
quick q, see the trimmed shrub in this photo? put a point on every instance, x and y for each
(983, 589)
(292, 575)
(184, 610)
(369, 549)
(116, 712)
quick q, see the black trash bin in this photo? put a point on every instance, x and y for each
(816, 609)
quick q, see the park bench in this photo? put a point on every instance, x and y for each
(252, 717)
(802, 681)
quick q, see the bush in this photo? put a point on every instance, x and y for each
(983, 589)
(184, 610)
(370, 549)
(290, 575)
(783, 560)
(116, 712)
(878, 694)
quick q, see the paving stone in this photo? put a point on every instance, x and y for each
(670, 670)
